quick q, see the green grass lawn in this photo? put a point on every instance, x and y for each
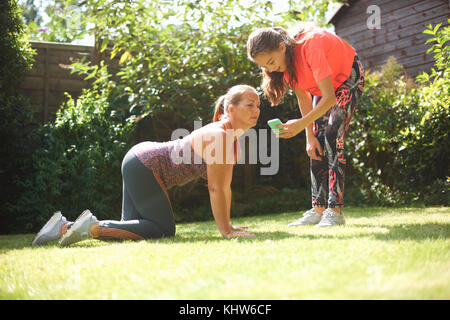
(380, 254)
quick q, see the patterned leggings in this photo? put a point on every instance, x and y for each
(330, 130)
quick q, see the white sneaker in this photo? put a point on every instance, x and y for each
(51, 230)
(79, 230)
(331, 218)
(309, 217)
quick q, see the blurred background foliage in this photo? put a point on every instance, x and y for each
(162, 66)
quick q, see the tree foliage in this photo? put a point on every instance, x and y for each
(65, 21)
(17, 113)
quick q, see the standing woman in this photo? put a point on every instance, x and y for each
(328, 79)
(150, 168)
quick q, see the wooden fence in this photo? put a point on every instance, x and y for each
(50, 76)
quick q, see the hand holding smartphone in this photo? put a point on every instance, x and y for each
(273, 125)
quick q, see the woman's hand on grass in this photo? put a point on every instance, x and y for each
(236, 234)
(238, 227)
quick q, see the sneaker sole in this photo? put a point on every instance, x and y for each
(301, 224)
(51, 223)
(73, 235)
(330, 225)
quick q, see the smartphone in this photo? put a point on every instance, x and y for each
(273, 123)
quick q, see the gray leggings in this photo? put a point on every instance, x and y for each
(146, 210)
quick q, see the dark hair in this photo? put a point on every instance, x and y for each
(232, 97)
(265, 40)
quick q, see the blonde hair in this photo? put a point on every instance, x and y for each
(232, 97)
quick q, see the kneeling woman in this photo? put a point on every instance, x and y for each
(149, 169)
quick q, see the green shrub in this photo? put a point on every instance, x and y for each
(77, 164)
(399, 142)
(17, 114)
(257, 200)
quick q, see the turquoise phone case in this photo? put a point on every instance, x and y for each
(273, 123)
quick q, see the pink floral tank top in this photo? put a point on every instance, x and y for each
(173, 162)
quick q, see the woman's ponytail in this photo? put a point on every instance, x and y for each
(219, 109)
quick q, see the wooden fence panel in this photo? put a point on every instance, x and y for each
(50, 76)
